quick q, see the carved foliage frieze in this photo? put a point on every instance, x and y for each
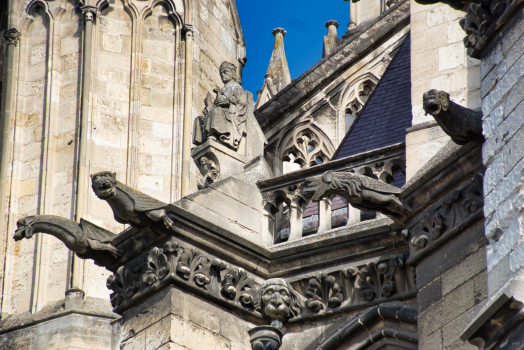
(183, 265)
(482, 20)
(356, 285)
(449, 217)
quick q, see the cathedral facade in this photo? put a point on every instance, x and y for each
(375, 202)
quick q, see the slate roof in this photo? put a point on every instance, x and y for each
(387, 114)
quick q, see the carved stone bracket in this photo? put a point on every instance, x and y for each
(12, 36)
(455, 212)
(189, 31)
(181, 264)
(89, 13)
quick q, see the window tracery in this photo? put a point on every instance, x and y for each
(358, 98)
(303, 148)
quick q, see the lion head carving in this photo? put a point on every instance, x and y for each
(104, 184)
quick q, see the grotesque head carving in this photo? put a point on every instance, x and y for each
(104, 184)
(319, 186)
(277, 300)
(228, 72)
(25, 228)
(435, 102)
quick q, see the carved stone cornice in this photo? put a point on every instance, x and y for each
(182, 264)
(89, 13)
(352, 287)
(12, 36)
(449, 217)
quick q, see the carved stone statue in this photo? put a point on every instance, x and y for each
(460, 123)
(86, 239)
(278, 301)
(201, 123)
(129, 205)
(362, 192)
(211, 173)
(226, 120)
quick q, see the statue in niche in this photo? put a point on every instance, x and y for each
(210, 171)
(225, 121)
(460, 123)
(278, 301)
(362, 192)
(129, 205)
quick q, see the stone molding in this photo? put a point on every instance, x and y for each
(437, 225)
(12, 36)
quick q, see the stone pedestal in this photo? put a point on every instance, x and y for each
(228, 161)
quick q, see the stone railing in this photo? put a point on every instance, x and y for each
(285, 203)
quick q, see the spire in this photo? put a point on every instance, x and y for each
(277, 75)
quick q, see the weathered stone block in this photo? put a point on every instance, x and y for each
(471, 266)
(450, 57)
(432, 342)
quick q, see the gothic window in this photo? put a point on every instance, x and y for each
(304, 147)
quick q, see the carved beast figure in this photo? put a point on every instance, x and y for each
(362, 192)
(129, 205)
(460, 123)
(86, 239)
(278, 301)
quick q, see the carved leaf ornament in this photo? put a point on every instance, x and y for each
(238, 286)
(376, 280)
(182, 264)
(457, 209)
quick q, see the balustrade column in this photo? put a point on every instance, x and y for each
(295, 220)
(353, 215)
(324, 215)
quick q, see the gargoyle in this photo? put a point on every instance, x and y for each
(129, 205)
(460, 123)
(86, 239)
(362, 192)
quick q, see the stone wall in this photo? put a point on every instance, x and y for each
(438, 61)
(452, 288)
(502, 72)
(175, 319)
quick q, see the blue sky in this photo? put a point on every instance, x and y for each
(304, 22)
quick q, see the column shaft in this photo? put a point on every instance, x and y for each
(188, 107)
